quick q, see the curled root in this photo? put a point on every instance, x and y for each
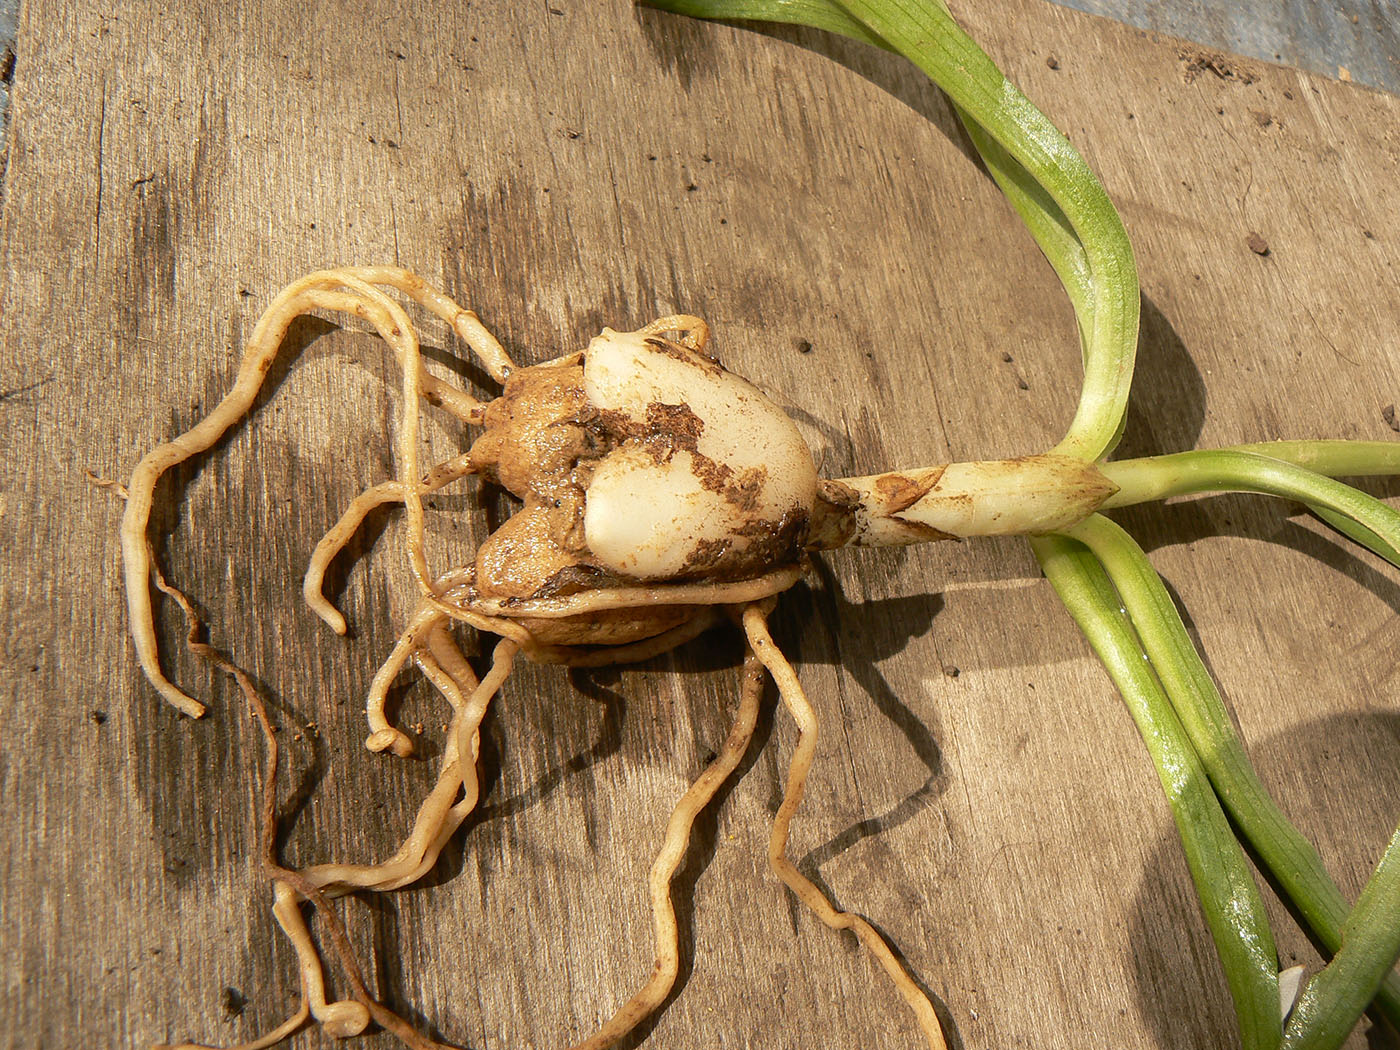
(351, 291)
(334, 541)
(524, 627)
(344, 1017)
(795, 699)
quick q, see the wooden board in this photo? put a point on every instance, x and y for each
(980, 793)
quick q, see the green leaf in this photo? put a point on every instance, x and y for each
(1233, 908)
(1231, 470)
(1290, 859)
(1358, 533)
(817, 14)
(1044, 177)
(1332, 1001)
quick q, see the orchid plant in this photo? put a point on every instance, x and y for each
(661, 494)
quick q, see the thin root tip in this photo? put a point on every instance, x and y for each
(326, 611)
(181, 701)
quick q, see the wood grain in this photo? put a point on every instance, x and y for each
(979, 794)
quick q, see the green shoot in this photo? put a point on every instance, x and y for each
(1290, 859)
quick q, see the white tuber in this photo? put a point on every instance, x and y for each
(730, 472)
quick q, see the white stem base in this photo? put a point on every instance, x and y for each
(1005, 497)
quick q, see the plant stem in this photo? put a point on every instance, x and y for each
(1004, 497)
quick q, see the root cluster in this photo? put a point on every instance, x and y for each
(429, 641)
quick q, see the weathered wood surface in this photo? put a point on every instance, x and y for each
(980, 793)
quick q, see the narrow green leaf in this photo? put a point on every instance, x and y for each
(1334, 458)
(1358, 533)
(1339, 459)
(925, 33)
(1233, 908)
(826, 15)
(1043, 176)
(1289, 858)
(1228, 470)
(1332, 1001)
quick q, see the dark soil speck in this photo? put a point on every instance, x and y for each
(233, 1001)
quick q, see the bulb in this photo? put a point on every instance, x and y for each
(638, 461)
(710, 478)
